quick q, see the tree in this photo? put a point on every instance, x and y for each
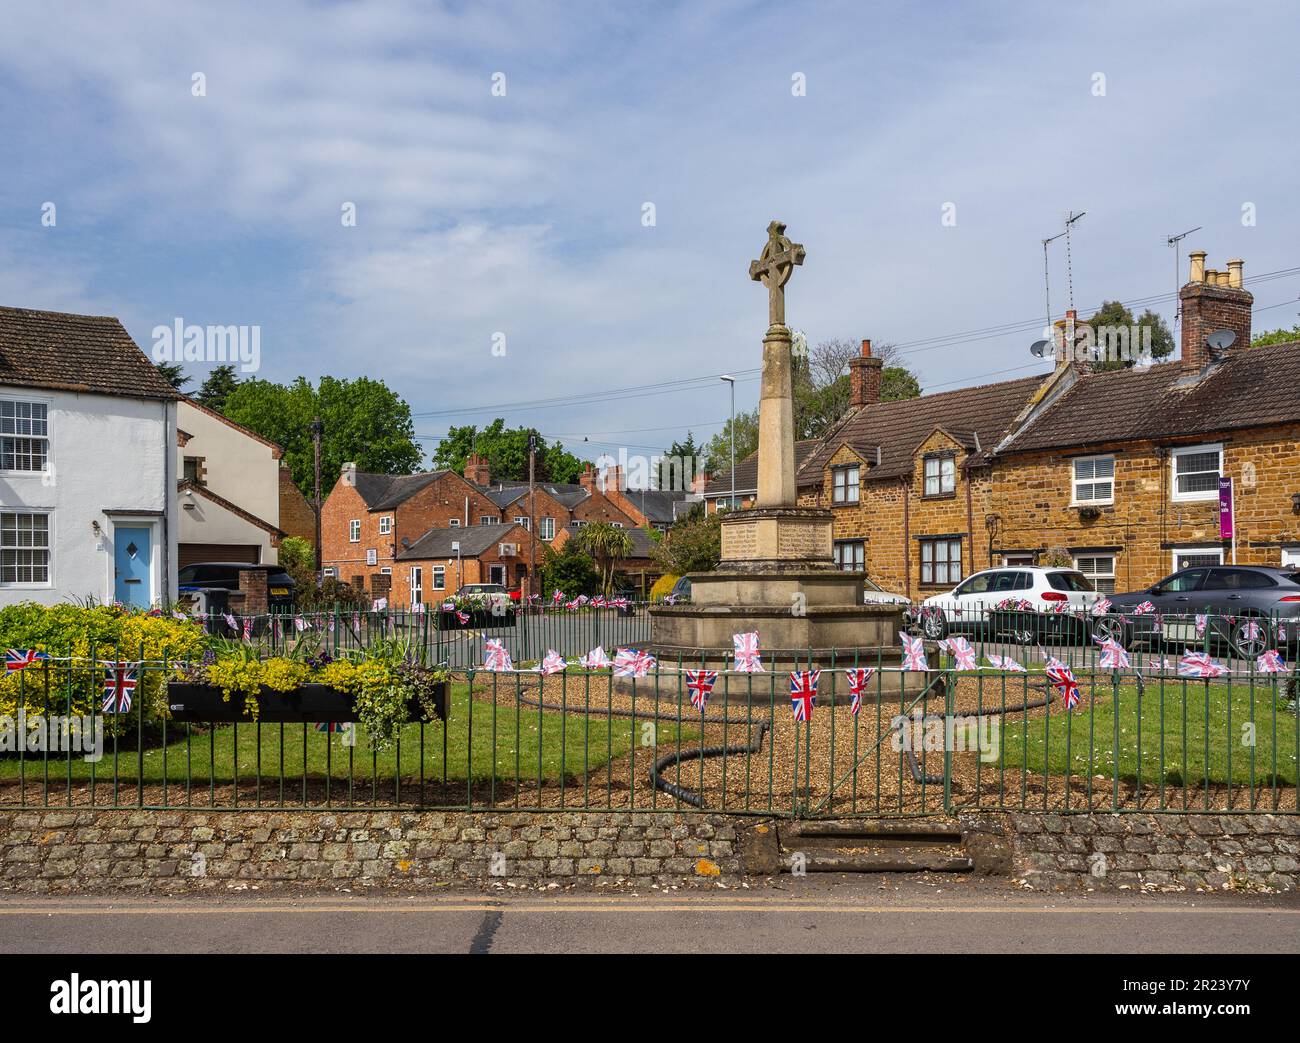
(296, 551)
(173, 374)
(718, 451)
(218, 386)
(1260, 340)
(569, 570)
(693, 544)
(822, 392)
(607, 545)
(506, 451)
(680, 464)
(1113, 313)
(364, 422)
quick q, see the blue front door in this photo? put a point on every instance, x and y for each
(131, 561)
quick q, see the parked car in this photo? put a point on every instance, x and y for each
(872, 594)
(1009, 601)
(1236, 599)
(681, 590)
(224, 575)
(489, 590)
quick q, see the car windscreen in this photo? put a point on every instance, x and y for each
(1076, 581)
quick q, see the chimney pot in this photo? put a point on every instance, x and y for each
(866, 348)
(864, 378)
(1198, 266)
(1234, 272)
(1216, 301)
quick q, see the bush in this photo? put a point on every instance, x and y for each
(298, 553)
(570, 570)
(663, 586)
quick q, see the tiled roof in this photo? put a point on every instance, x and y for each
(383, 492)
(85, 353)
(660, 506)
(504, 493)
(747, 471)
(975, 415)
(473, 540)
(1251, 387)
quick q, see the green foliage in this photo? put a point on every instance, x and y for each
(1260, 340)
(296, 551)
(506, 452)
(569, 570)
(173, 374)
(363, 421)
(693, 544)
(898, 383)
(1113, 313)
(217, 387)
(678, 465)
(607, 545)
(718, 451)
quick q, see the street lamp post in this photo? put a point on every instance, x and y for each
(731, 505)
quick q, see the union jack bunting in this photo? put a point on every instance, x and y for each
(1271, 663)
(803, 693)
(748, 658)
(572, 606)
(300, 623)
(961, 651)
(230, 621)
(553, 663)
(248, 629)
(1101, 606)
(462, 617)
(913, 652)
(119, 683)
(701, 683)
(1005, 662)
(1113, 655)
(858, 677)
(1199, 664)
(379, 604)
(598, 601)
(1250, 630)
(1063, 680)
(21, 658)
(1281, 632)
(1200, 624)
(557, 598)
(1144, 608)
(333, 726)
(632, 662)
(596, 659)
(356, 622)
(581, 600)
(495, 656)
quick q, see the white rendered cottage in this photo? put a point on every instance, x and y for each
(87, 463)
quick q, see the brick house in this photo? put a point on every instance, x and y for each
(1120, 469)
(638, 570)
(559, 505)
(444, 559)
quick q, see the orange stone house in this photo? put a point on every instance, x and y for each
(1119, 469)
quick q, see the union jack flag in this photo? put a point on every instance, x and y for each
(557, 598)
(1101, 606)
(913, 652)
(553, 663)
(803, 693)
(462, 617)
(962, 653)
(379, 604)
(701, 683)
(1005, 662)
(632, 662)
(598, 601)
(748, 658)
(21, 658)
(1250, 630)
(230, 621)
(1271, 663)
(1063, 680)
(596, 659)
(858, 677)
(1144, 608)
(1113, 655)
(1200, 624)
(1199, 664)
(495, 656)
(119, 683)
(248, 629)
(300, 623)
(333, 726)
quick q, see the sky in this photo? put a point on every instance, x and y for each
(554, 202)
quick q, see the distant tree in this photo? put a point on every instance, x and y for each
(568, 570)
(1113, 313)
(1260, 340)
(363, 420)
(679, 465)
(607, 545)
(173, 374)
(718, 451)
(506, 451)
(822, 392)
(218, 387)
(693, 544)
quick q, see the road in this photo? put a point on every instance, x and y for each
(867, 914)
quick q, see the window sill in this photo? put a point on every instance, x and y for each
(1091, 503)
(940, 496)
(1195, 498)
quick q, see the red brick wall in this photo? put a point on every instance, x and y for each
(296, 515)
(472, 570)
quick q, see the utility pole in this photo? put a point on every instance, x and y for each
(532, 513)
(316, 428)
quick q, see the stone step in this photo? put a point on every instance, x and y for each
(886, 831)
(891, 860)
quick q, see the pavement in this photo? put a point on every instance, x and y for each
(874, 914)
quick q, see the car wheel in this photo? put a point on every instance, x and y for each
(934, 627)
(1248, 638)
(1109, 628)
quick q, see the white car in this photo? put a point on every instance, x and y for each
(876, 595)
(1001, 597)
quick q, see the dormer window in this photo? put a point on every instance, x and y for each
(845, 484)
(940, 475)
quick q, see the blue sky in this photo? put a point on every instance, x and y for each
(522, 214)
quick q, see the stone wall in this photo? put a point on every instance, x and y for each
(178, 851)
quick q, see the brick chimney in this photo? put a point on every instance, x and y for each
(612, 480)
(477, 470)
(1213, 300)
(350, 473)
(588, 477)
(864, 378)
(1065, 339)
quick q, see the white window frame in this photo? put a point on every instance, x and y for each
(47, 438)
(1097, 576)
(386, 571)
(329, 572)
(488, 519)
(354, 530)
(948, 561)
(1290, 557)
(417, 585)
(1201, 552)
(49, 552)
(546, 528)
(846, 483)
(385, 525)
(945, 477)
(453, 523)
(1097, 501)
(1189, 450)
(521, 520)
(438, 577)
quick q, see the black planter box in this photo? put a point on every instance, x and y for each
(310, 704)
(478, 620)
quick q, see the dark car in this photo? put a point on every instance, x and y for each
(681, 591)
(224, 575)
(1238, 601)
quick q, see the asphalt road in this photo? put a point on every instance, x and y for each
(865, 914)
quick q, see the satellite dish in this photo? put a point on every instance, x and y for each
(1039, 348)
(406, 542)
(1221, 340)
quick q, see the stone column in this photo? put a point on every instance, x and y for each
(776, 484)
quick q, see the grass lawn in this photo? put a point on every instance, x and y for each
(505, 745)
(1204, 734)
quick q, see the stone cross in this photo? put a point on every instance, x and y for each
(773, 269)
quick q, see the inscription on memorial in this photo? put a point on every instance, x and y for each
(739, 540)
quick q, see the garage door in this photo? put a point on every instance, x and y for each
(189, 553)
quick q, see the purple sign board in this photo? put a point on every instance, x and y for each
(1225, 508)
